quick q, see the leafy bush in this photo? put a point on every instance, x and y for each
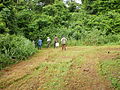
(5, 61)
(14, 48)
(101, 6)
(8, 17)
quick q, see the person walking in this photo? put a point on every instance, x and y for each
(63, 42)
(55, 41)
(39, 43)
(48, 42)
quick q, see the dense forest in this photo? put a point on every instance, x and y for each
(94, 22)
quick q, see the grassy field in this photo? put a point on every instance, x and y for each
(111, 69)
(77, 68)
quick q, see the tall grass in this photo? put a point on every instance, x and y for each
(14, 48)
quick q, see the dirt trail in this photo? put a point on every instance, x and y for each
(53, 69)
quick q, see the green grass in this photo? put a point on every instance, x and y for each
(55, 74)
(111, 69)
(57, 68)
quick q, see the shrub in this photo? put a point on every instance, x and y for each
(14, 48)
(4, 61)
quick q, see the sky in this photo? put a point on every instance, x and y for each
(77, 1)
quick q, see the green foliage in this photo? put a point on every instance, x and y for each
(101, 6)
(24, 18)
(14, 48)
(9, 19)
(2, 25)
(48, 1)
(58, 11)
(1, 6)
(87, 24)
(95, 29)
(73, 6)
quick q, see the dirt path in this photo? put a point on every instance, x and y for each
(53, 69)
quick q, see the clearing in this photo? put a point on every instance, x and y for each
(77, 68)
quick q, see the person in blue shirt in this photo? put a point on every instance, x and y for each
(39, 43)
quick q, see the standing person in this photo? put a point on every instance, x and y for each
(39, 43)
(48, 42)
(33, 42)
(63, 42)
(55, 41)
